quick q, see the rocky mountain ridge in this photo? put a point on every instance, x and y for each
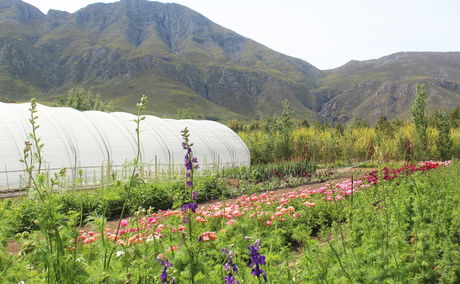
(180, 59)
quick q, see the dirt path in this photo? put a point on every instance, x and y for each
(346, 173)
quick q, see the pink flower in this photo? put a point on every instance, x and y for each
(269, 223)
(208, 236)
(200, 220)
(230, 222)
(124, 223)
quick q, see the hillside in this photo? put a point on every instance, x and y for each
(386, 86)
(133, 47)
(180, 58)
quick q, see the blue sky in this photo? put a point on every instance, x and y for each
(327, 33)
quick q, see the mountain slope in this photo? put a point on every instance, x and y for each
(181, 59)
(103, 44)
(386, 86)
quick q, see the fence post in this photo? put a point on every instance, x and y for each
(7, 181)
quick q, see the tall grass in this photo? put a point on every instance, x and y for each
(352, 144)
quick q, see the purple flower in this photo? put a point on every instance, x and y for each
(188, 163)
(193, 206)
(163, 260)
(190, 206)
(230, 267)
(191, 164)
(195, 195)
(230, 279)
(256, 260)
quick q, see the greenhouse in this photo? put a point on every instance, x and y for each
(93, 145)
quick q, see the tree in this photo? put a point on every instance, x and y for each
(82, 99)
(444, 142)
(282, 126)
(455, 117)
(420, 121)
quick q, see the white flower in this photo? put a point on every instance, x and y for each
(149, 238)
(21, 282)
(119, 253)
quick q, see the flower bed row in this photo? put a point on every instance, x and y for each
(168, 230)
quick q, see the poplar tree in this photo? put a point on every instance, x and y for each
(421, 122)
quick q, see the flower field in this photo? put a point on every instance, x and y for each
(397, 224)
(392, 225)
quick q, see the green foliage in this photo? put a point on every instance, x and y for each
(444, 141)
(276, 141)
(383, 127)
(108, 202)
(282, 127)
(82, 99)
(211, 188)
(421, 122)
(454, 116)
(185, 113)
(235, 125)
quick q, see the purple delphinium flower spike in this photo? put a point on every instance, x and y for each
(230, 267)
(193, 206)
(163, 260)
(256, 260)
(230, 279)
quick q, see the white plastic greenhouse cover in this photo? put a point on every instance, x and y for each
(97, 143)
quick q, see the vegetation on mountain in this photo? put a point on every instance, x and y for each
(81, 99)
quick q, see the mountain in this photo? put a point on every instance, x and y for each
(179, 58)
(174, 55)
(386, 86)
